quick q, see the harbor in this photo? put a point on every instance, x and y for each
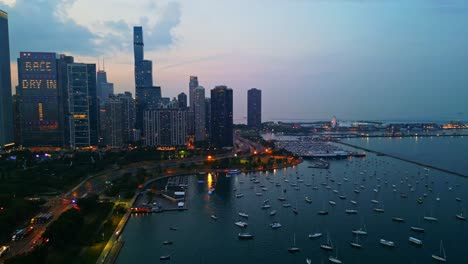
(317, 148)
(378, 204)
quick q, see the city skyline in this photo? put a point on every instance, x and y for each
(394, 59)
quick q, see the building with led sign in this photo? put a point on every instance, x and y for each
(40, 103)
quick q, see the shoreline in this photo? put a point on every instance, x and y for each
(115, 244)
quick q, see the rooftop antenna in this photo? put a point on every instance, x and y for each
(103, 64)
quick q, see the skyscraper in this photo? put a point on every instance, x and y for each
(182, 98)
(198, 109)
(6, 104)
(41, 99)
(254, 108)
(221, 117)
(114, 122)
(147, 96)
(193, 83)
(83, 108)
(104, 88)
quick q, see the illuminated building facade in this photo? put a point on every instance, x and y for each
(221, 117)
(254, 108)
(40, 101)
(165, 127)
(82, 108)
(6, 104)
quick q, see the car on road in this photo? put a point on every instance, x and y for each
(4, 250)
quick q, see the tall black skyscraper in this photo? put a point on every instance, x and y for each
(6, 104)
(145, 93)
(221, 117)
(254, 108)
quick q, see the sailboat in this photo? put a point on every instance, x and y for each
(294, 249)
(328, 246)
(460, 216)
(355, 244)
(335, 258)
(417, 228)
(322, 212)
(360, 231)
(441, 257)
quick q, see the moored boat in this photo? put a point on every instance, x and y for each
(387, 243)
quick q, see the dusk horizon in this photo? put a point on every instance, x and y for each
(325, 57)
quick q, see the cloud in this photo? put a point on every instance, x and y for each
(44, 25)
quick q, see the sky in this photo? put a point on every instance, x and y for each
(312, 59)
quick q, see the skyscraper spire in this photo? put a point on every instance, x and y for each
(103, 64)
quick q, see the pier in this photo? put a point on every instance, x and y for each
(403, 159)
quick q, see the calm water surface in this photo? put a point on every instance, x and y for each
(200, 239)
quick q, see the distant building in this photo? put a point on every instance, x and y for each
(254, 108)
(208, 117)
(221, 117)
(199, 113)
(182, 98)
(114, 119)
(83, 108)
(165, 127)
(193, 83)
(104, 88)
(6, 104)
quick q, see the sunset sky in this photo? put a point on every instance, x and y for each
(355, 59)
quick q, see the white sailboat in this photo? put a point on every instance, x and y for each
(334, 259)
(355, 244)
(415, 241)
(460, 216)
(387, 243)
(294, 249)
(328, 246)
(441, 257)
(360, 231)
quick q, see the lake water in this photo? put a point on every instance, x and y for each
(445, 152)
(200, 239)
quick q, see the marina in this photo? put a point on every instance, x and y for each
(360, 232)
